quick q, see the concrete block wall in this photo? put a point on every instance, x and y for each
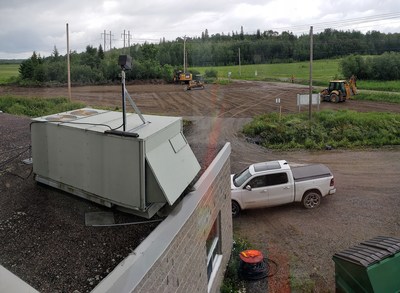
(173, 258)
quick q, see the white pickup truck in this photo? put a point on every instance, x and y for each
(275, 183)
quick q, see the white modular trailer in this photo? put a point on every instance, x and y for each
(139, 169)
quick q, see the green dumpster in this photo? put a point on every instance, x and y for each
(371, 266)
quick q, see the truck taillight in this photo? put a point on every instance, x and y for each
(332, 182)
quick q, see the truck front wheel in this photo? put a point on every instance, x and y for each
(311, 199)
(235, 209)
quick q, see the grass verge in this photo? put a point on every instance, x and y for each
(36, 107)
(327, 129)
(378, 97)
(378, 85)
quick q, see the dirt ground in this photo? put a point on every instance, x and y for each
(301, 241)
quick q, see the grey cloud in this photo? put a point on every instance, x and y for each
(39, 25)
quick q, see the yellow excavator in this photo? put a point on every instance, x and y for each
(339, 90)
(182, 77)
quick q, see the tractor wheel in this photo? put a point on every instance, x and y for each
(334, 98)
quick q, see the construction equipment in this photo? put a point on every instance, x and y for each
(182, 77)
(339, 90)
(196, 84)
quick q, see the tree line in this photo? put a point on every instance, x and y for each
(94, 66)
(158, 61)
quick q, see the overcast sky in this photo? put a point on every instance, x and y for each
(39, 25)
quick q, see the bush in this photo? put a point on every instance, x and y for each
(382, 67)
(345, 129)
(211, 73)
(35, 107)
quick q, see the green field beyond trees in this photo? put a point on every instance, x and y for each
(8, 73)
(323, 71)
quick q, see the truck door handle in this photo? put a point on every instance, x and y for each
(287, 187)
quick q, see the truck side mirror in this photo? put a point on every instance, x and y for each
(248, 187)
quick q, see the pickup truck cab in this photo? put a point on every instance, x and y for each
(275, 183)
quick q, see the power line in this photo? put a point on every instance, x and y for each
(341, 23)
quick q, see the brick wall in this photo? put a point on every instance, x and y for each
(174, 256)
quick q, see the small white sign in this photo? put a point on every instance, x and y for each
(305, 99)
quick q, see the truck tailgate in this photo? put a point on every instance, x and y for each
(308, 172)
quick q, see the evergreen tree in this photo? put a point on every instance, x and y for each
(100, 52)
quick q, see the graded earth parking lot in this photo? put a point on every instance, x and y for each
(301, 241)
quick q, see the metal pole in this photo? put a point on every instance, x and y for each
(123, 100)
(105, 37)
(311, 61)
(124, 39)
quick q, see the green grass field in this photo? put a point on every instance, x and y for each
(7, 72)
(323, 71)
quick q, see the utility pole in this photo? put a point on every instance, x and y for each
(240, 68)
(184, 54)
(68, 67)
(129, 39)
(124, 38)
(105, 36)
(311, 61)
(105, 39)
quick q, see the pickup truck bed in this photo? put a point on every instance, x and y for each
(308, 172)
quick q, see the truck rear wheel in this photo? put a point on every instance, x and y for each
(311, 199)
(235, 208)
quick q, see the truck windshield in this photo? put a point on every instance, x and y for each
(241, 177)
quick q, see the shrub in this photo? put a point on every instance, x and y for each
(211, 73)
(35, 107)
(335, 128)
